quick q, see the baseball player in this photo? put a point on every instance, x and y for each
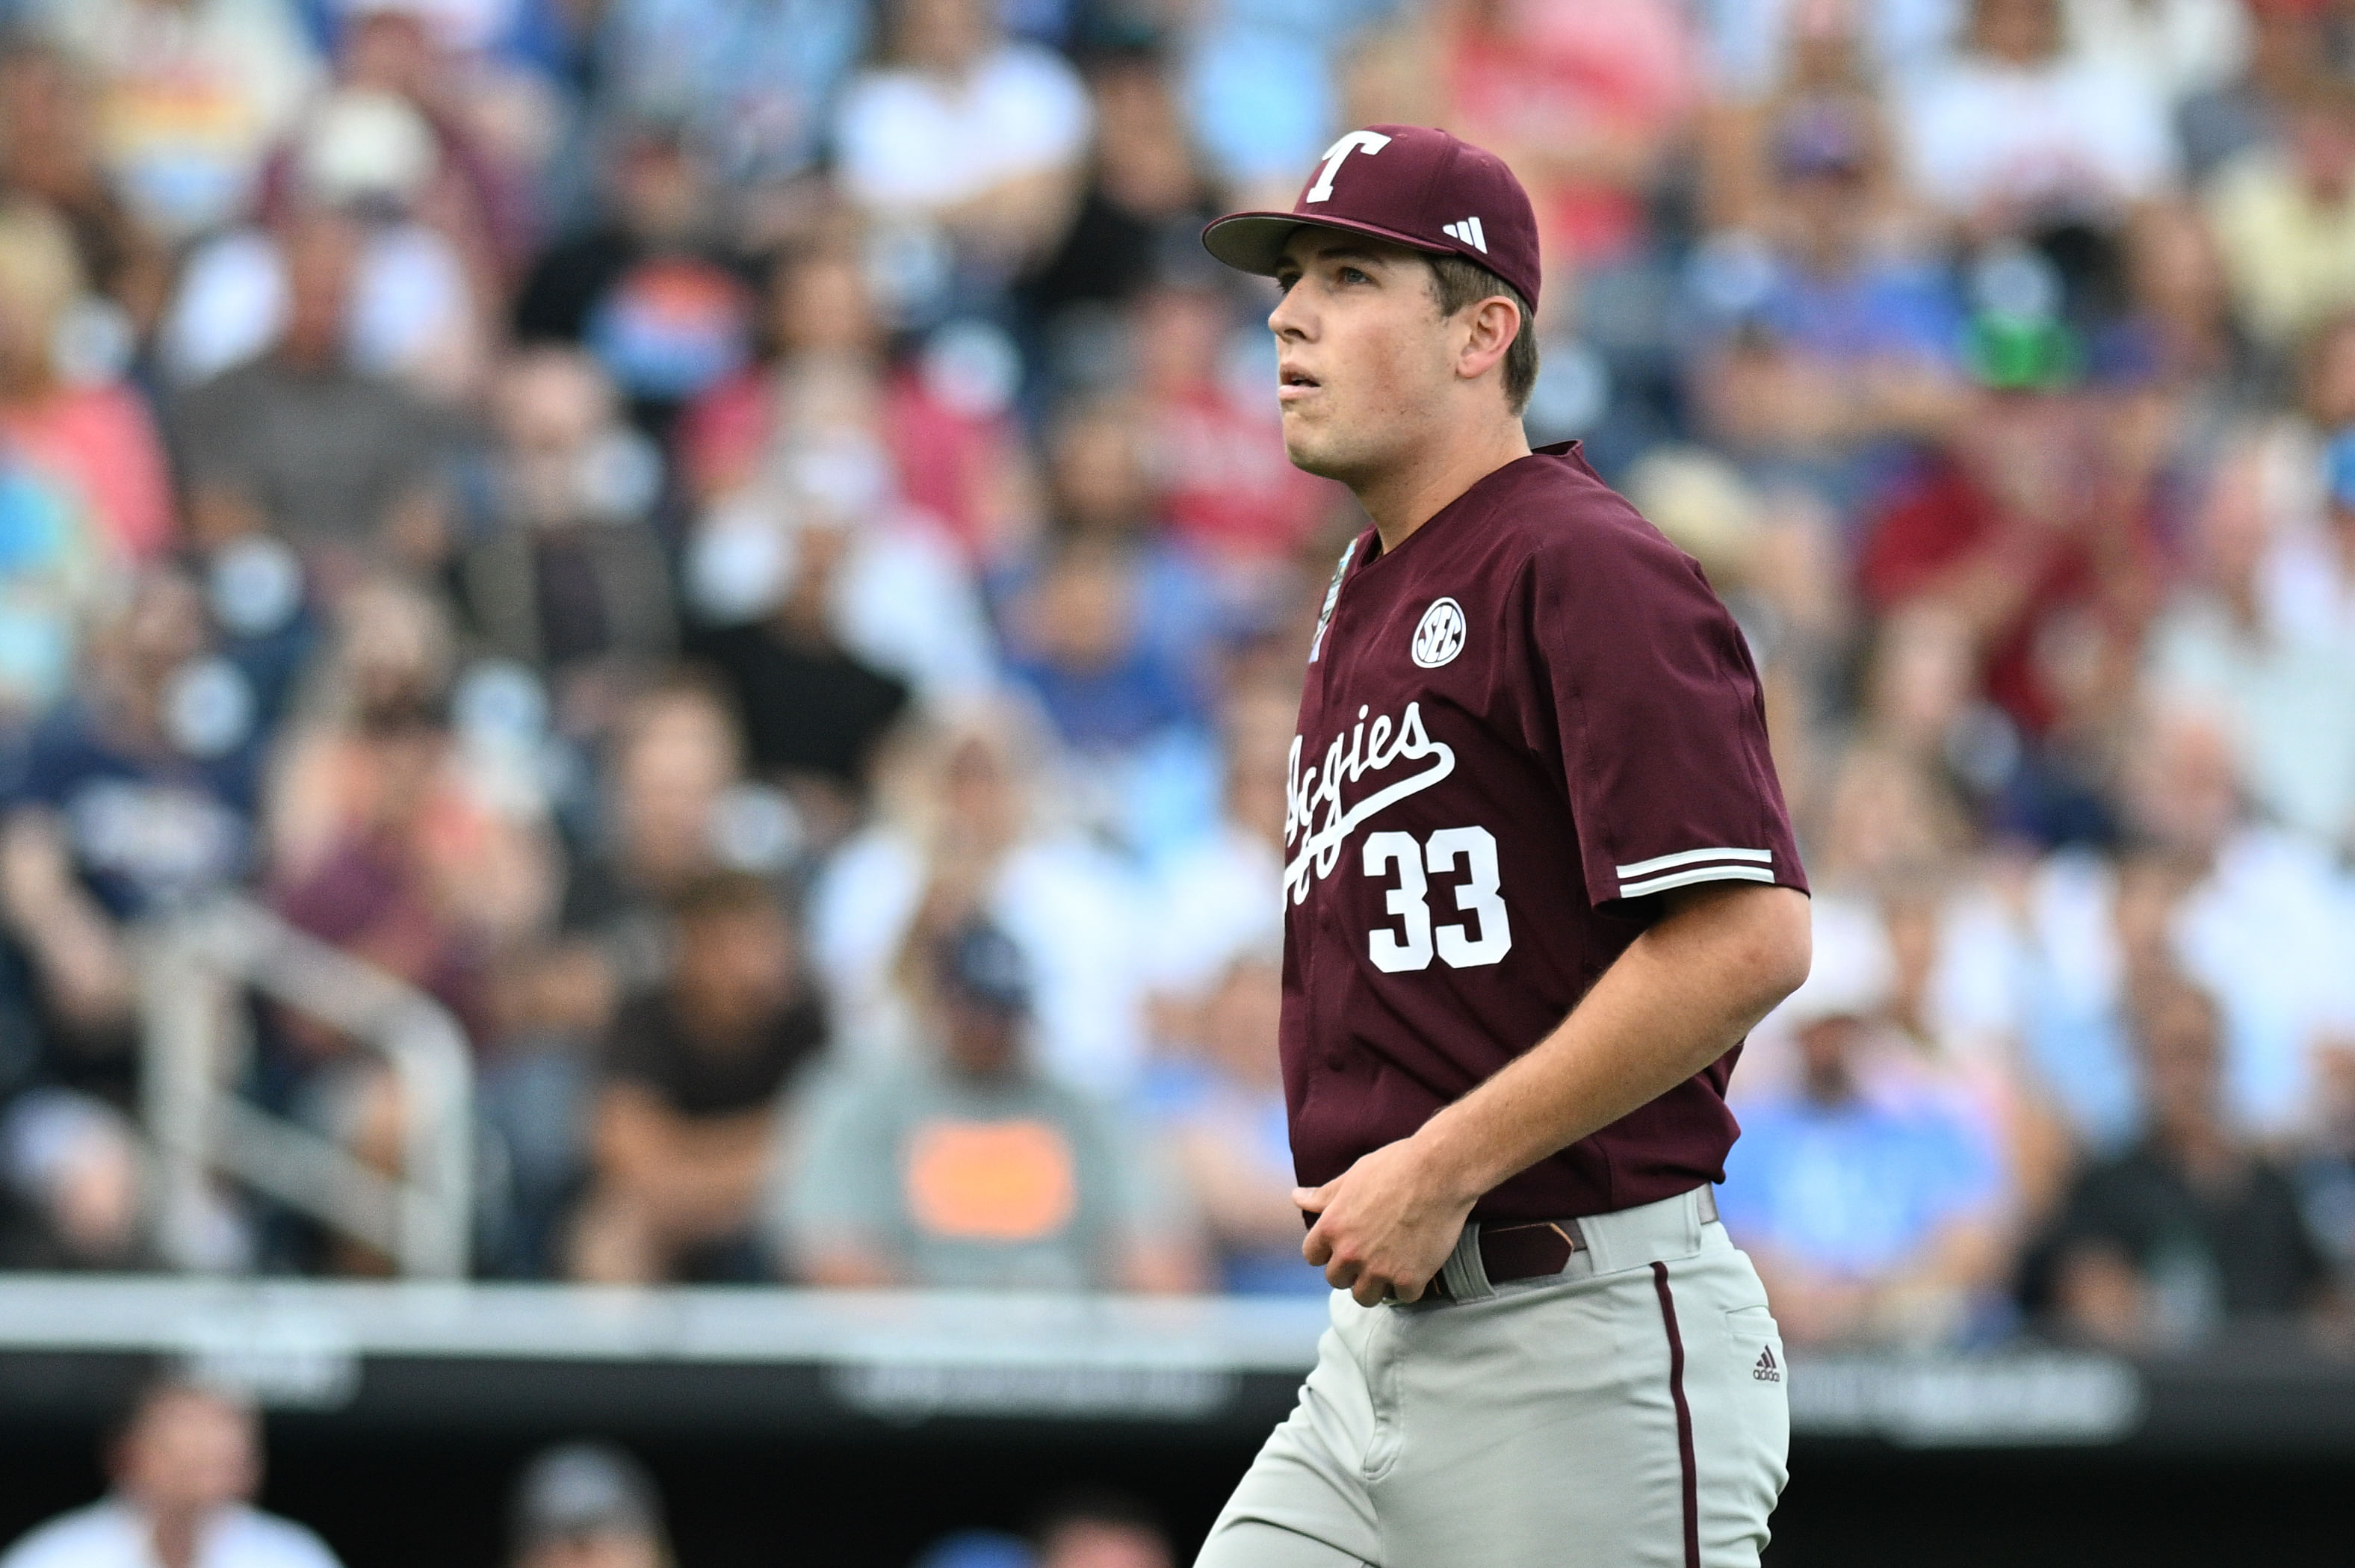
(1540, 883)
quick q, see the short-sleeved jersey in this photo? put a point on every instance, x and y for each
(1519, 728)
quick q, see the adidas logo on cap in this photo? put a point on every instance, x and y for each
(1766, 1371)
(1466, 231)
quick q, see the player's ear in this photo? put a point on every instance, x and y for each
(1491, 326)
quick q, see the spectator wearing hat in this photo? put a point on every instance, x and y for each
(184, 1468)
(693, 1072)
(369, 155)
(1832, 340)
(586, 1505)
(968, 1168)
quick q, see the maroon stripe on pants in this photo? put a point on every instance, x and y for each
(1684, 1416)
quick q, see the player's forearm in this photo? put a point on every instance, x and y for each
(1679, 999)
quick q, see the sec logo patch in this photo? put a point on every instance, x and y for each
(1440, 635)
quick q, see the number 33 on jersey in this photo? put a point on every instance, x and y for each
(1518, 730)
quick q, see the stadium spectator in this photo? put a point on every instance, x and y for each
(2014, 128)
(184, 1471)
(813, 711)
(672, 809)
(50, 153)
(342, 463)
(1872, 1202)
(585, 1505)
(2026, 527)
(1217, 1098)
(74, 424)
(654, 289)
(1100, 1530)
(963, 828)
(2284, 218)
(1221, 489)
(2160, 1245)
(753, 82)
(1218, 893)
(967, 1167)
(1837, 337)
(1144, 204)
(693, 1074)
(383, 836)
(561, 564)
(1101, 487)
(416, 312)
(829, 419)
(2222, 645)
(964, 144)
(193, 95)
(2288, 41)
(2181, 48)
(671, 771)
(1587, 102)
(127, 804)
(1078, 643)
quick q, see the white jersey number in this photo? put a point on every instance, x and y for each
(1477, 896)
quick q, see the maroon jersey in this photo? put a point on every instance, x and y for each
(1518, 729)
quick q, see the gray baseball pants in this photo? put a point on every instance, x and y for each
(1625, 1413)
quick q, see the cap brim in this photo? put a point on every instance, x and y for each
(1254, 241)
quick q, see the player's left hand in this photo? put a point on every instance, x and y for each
(1385, 1225)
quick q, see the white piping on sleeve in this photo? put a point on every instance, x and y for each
(1688, 857)
(1698, 874)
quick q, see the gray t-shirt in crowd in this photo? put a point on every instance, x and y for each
(324, 456)
(963, 1182)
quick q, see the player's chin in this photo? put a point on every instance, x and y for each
(1309, 451)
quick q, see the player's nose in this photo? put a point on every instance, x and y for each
(1291, 317)
(1286, 321)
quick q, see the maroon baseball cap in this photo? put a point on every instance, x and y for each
(1410, 184)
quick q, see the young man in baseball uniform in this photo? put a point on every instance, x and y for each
(1540, 884)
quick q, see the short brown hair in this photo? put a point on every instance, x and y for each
(1456, 282)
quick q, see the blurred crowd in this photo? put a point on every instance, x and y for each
(184, 1464)
(743, 547)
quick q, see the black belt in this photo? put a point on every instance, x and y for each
(1539, 1247)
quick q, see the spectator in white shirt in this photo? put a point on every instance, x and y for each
(2016, 128)
(964, 129)
(184, 1468)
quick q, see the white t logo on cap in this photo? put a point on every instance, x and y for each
(1367, 142)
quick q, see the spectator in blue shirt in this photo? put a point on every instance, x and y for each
(1868, 1201)
(134, 798)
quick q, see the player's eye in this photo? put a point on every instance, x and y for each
(1352, 275)
(1284, 282)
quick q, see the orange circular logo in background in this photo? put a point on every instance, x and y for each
(991, 1181)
